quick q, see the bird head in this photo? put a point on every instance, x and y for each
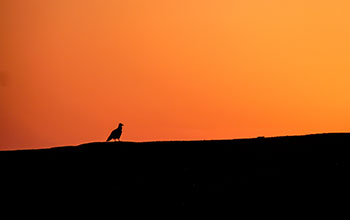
(121, 125)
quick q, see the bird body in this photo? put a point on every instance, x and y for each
(115, 134)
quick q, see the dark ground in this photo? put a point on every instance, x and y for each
(288, 174)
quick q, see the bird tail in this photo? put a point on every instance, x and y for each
(109, 138)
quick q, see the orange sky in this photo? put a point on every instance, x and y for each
(71, 70)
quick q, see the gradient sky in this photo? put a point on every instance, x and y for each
(71, 70)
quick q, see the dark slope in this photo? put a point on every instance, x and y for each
(274, 173)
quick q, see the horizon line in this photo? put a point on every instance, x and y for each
(162, 141)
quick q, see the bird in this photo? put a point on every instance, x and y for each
(116, 133)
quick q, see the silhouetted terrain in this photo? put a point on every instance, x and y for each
(292, 172)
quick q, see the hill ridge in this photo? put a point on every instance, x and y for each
(186, 173)
(312, 135)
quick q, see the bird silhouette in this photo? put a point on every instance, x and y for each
(116, 133)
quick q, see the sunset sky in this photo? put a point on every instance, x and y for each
(71, 70)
